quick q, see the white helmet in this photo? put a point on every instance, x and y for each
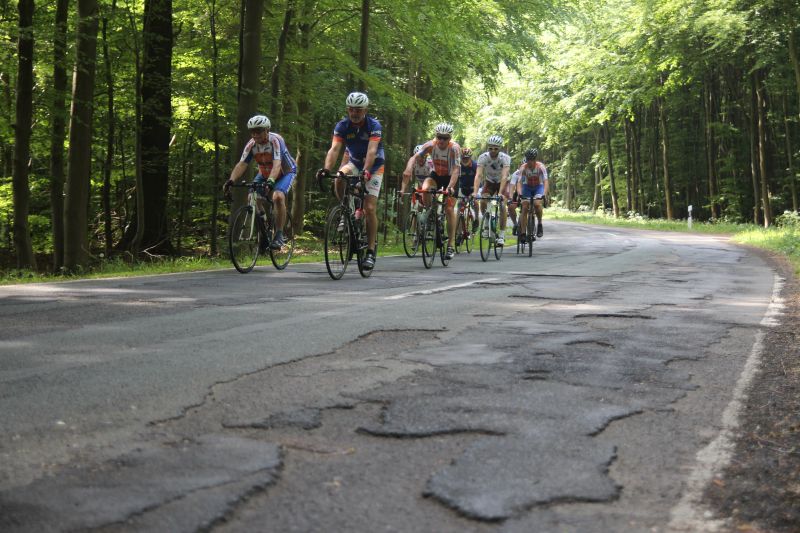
(443, 128)
(495, 140)
(258, 121)
(417, 148)
(357, 100)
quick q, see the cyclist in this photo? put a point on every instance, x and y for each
(511, 192)
(466, 182)
(445, 154)
(362, 137)
(533, 183)
(493, 165)
(267, 148)
(413, 168)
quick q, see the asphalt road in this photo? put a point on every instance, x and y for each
(570, 391)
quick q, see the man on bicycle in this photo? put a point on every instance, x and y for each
(533, 183)
(466, 182)
(493, 165)
(418, 171)
(276, 167)
(362, 138)
(446, 156)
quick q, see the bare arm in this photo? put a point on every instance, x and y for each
(332, 155)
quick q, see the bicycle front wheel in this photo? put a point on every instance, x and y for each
(337, 242)
(469, 236)
(361, 252)
(429, 240)
(531, 232)
(442, 241)
(461, 234)
(411, 235)
(243, 239)
(485, 239)
(281, 256)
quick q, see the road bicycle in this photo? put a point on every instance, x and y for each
(465, 221)
(411, 231)
(529, 226)
(434, 235)
(251, 233)
(488, 231)
(346, 228)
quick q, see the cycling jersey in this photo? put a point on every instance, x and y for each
(466, 179)
(424, 170)
(535, 176)
(493, 168)
(266, 154)
(444, 161)
(356, 137)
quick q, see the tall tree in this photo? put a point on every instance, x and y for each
(58, 127)
(278, 67)
(76, 242)
(363, 54)
(152, 232)
(22, 147)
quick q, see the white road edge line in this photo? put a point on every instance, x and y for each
(688, 514)
(440, 289)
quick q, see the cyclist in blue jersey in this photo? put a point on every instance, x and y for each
(362, 138)
(466, 181)
(276, 167)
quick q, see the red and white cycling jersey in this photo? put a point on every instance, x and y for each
(444, 161)
(533, 176)
(266, 154)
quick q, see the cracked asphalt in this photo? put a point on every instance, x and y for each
(570, 391)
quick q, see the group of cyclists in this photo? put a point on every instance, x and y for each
(439, 164)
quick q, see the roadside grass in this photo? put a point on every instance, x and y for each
(783, 238)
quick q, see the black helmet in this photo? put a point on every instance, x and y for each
(531, 154)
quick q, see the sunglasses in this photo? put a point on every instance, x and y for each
(257, 131)
(442, 137)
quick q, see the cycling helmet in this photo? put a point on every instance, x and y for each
(531, 154)
(466, 152)
(258, 121)
(357, 100)
(417, 148)
(495, 140)
(443, 128)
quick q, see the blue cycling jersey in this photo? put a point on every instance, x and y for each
(356, 138)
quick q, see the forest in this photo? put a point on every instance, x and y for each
(121, 119)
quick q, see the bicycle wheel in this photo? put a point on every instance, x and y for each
(484, 240)
(469, 235)
(337, 242)
(498, 249)
(411, 235)
(461, 234)
(243, 240)
(281, 256)
(531, 232)
(429, 239)
(360, 242)
(442, 240)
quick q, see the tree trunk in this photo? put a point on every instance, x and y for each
(58, 128)
(761, 96)
(76, 202)
(22, 133)
(710, 146)
(662, 121)
(364, 48)
(277, 68)
(111, 120)
(596, 197)
(789, 159)
(304, 142)
(753, 123)
(614, 197)
(152, 232)
(637, 162)
(215, 181)
(626, 124)
(793, 56)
